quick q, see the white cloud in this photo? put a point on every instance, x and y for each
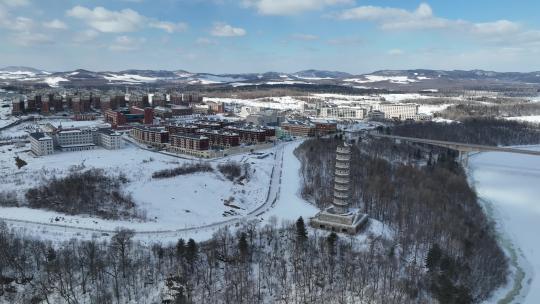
(55, 24)
(346, 41)
(15, 3)
(496, 28)
(291, 7)
(226, 30)
(399, 19)
(423, 18)
(122, 21)
(85, 36)
(126, 43)
(31, 38)
(205, 41)
(103, 20)
(304, 37)
(169, 27)
(395, 52)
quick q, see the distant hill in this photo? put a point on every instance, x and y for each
(388, 79)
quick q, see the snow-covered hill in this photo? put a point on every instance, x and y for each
(423, 79)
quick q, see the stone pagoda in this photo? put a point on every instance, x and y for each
(339, 217)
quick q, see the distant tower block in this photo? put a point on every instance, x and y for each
(339, 217)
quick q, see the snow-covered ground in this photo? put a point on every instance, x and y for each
(129, 78)
(391, 79)
(431, 109)
(54, 81)
(281, 103)
(508, 184)
(533, 118)
(5, 114)
(290, 205)
(170, 204)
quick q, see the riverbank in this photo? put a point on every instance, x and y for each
(508, 188)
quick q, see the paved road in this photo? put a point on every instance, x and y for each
(271, 198)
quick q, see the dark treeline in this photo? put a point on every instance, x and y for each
(183, 170)
(90, 192)
(255, 264)
(483, 131)
(235, 171)
(464, 111)
(429, 206)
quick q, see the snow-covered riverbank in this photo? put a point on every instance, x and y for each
(509, 185)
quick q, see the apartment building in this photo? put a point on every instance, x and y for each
(41, 144)
(352, 113)
(221, 139)
(153, 136)
(398, 111)
(74, 139)
(297, 128)
(250, 134)
(109, 139)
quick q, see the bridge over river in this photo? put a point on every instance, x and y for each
(463, 148)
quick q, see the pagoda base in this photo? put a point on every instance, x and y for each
(350, 222)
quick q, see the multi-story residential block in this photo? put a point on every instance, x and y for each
(153, 136)
(250, 134)
(163, 112)
(109, 139)
(216, 107)
(297, 128)
(190, 142)
(74, 139)
(181, 110)
(134, 115)
(58, 104)
(45, 107)
(325, 128)
(398, 111)
(221, 139)
(343, 113)
(41, 144)
(17, 106)
(182, 129)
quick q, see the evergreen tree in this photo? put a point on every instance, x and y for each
(180, 248)
(331, 241)
(243, 246)
(191, 251)
(19, 162)
(301, 232)
(433, 257)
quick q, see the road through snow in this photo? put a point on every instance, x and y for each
(63, 231)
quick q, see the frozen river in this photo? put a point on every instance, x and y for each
(510, 186)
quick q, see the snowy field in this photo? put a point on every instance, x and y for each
(170, 204)
(5, 114)
(508, 183)
(280, 103)
(532, 119)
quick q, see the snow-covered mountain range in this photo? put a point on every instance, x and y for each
(18, 75)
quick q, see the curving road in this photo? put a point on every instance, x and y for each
(271, 198)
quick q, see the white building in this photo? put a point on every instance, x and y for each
(343, 113)
(41, 143)
(74, 139)
(109, 139)
(398, 111)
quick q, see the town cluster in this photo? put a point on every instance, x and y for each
(182, 123)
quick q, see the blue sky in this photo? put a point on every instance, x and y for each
(231, 36)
